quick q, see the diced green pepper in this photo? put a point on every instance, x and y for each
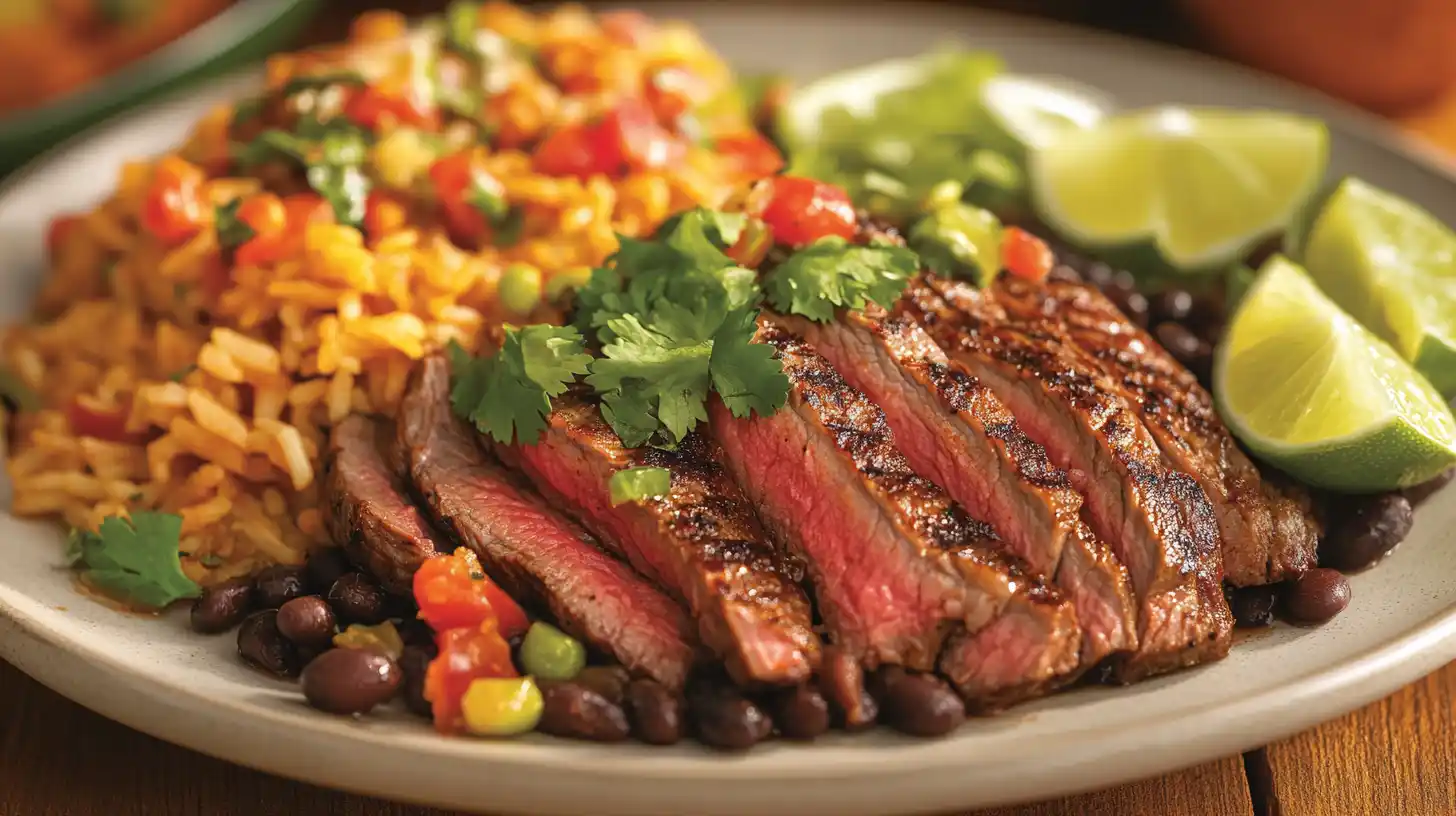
(551, 654)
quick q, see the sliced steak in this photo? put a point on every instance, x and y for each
(897, 565)
(370, 517)
(537, 555)
(1268, 533)
(700, 542)
(1157, 520)
(956, 432)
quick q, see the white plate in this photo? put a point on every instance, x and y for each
(158, 677)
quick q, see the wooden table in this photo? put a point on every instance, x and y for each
(1395, 757)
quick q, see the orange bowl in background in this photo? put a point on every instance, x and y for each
(1387, 55)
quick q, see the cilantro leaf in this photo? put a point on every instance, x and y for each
(508, 395)
(644, 373)
(831, 274)
(639, 484)
(232, 231)
(746, 375)
(345, 187)
(318, 82)
(462, 21)
(135, 560)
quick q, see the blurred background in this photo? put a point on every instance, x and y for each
(65, 64)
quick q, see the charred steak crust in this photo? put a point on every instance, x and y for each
(1268, 533)
(954, 430)
(701, 542)
(540, 557)
(938, 567)
(1158, 520)
(370, 517)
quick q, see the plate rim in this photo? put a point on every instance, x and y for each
(1365, 677)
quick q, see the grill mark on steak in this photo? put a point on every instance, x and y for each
(956, 432)
(1268, 532)
(369, 516)
(700, 542)
(537, 555)
(1158, 521)
(897, 565)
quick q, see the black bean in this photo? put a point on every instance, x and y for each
(261, 644)
(842, 681)
(1317, 596)
(1179, 341)
(656, 713)
(413, 663)
(727, 720)
(1062, 273)
(279, 584)
(350, 681)
(1131, 303)
(357, 599)
(1253, 606)
(801, 712)
(1208, 315)
(608, 681)
(325, 566)
(921, 705)
(1425, 490)
(1171, 305)
(1098, 274)
(307, 621)
(223, 606)
(575, 711)
(1364, 528)
(412, 630)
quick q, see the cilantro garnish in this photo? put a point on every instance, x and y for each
(508, 394)
(232, 231)
(639, 484)
(831, 274)
(134, 560)
(17, 393)
(485, 195)
(462, 21)
(331, 152)
(318, 82)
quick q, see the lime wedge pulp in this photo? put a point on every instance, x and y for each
(1393, 266)
(1313, 392)
(1028, 112)
(1199, 186)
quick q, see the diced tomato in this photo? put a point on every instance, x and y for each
(628, 26)
(91, 418)
(750, 155)
(1026, 255)
(800, 211)
(472, 200)
(60, 230)
(453, 591)
(302, 209)
(628, 137)
(672, 92)
(466, 654)
(753, 245)
(569, 151)
(371, 106)
(268, 218)
(173, 209)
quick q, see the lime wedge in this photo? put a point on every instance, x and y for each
(1393, 266)
(1029, 112)
(1313, 392)
(1198, 186)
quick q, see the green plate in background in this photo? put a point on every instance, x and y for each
(241, 33)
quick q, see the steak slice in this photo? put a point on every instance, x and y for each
(369, 516)
(1269, 533)
(956, 432)
(897, 565)
(537, 555)
(1157, 520)
(700, 542)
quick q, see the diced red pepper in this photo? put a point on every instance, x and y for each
(172, 209)
(1026, 255)
(268, 218)
(453, 591)
(466, 654)
(750, 155)
(800, 211)
(60, 230)
(98, 421)
(371, 106)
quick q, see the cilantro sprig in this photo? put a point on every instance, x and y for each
(134, 560)
(232, 231)
(508, 394)
(332, 154)
(832, 274)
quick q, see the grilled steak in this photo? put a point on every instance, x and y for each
(897, 565)
(540, 557)
(956, 432)
(1158, 521)
(1268, 533)
(369, 515)
(701, 542)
